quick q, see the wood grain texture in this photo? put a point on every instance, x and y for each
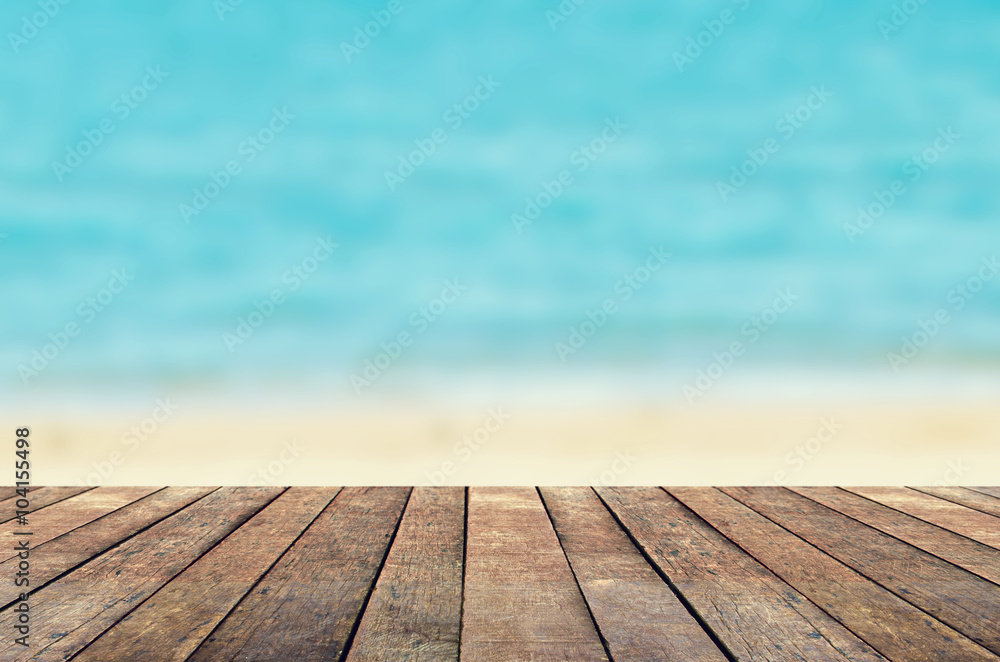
(756, 615)
(521, 599)
(305, 607)
(946, 514)
(964, 496)
(64, 516)
(991, 491)
(973, 556)
(40, 498)
(414, 613)
(171, 624)
(892, 626)
(76, 547)
(637, 613)
(959, 599)
(72, 611)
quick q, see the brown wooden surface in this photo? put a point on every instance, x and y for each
(754, 613)
(414, 614)
(82, 544)
(171, 624)
(946, 514)
(837, 589)
(305, 607)
(38, 499)
(638, 614)
(991, 491)
(444, 574)
(64, 516)
(965, 496)
(973, 556)
(959, 599)
(71, 612)
(521, 600)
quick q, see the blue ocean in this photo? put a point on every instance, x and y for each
(345, 197)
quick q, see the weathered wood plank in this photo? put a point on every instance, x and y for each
(521, 599)
(170, 625)
(636, 612)
(992, 491)
(69, 550)
(38, 499)
(305, 607)
(64, 516)
(414, 613)
(72, 611)
(965, 496)
(7, 493)
(891, 625)
(975, 557)
(756, 615)
(960, 519)
(956, 597)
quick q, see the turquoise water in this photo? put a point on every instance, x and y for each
(420, 152)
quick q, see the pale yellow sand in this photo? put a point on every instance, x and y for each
(912, 442)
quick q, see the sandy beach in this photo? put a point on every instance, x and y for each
(908, 442)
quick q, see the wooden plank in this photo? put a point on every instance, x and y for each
(964, 496)
(975, 557)
(171, 624)
(57, 556)
(960, 519)
(64, 516)
(40, 498)
(7, 493)
(305, 607)
(521, 599)
(894, 627)
(637, 613)
(414, 613)
(992, 491)
(956, 597)
(72, 611)
(756, 615)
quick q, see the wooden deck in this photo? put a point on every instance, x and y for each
(495, 574)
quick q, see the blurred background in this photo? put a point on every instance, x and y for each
(330, 211)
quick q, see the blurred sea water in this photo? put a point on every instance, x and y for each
(420, 152)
